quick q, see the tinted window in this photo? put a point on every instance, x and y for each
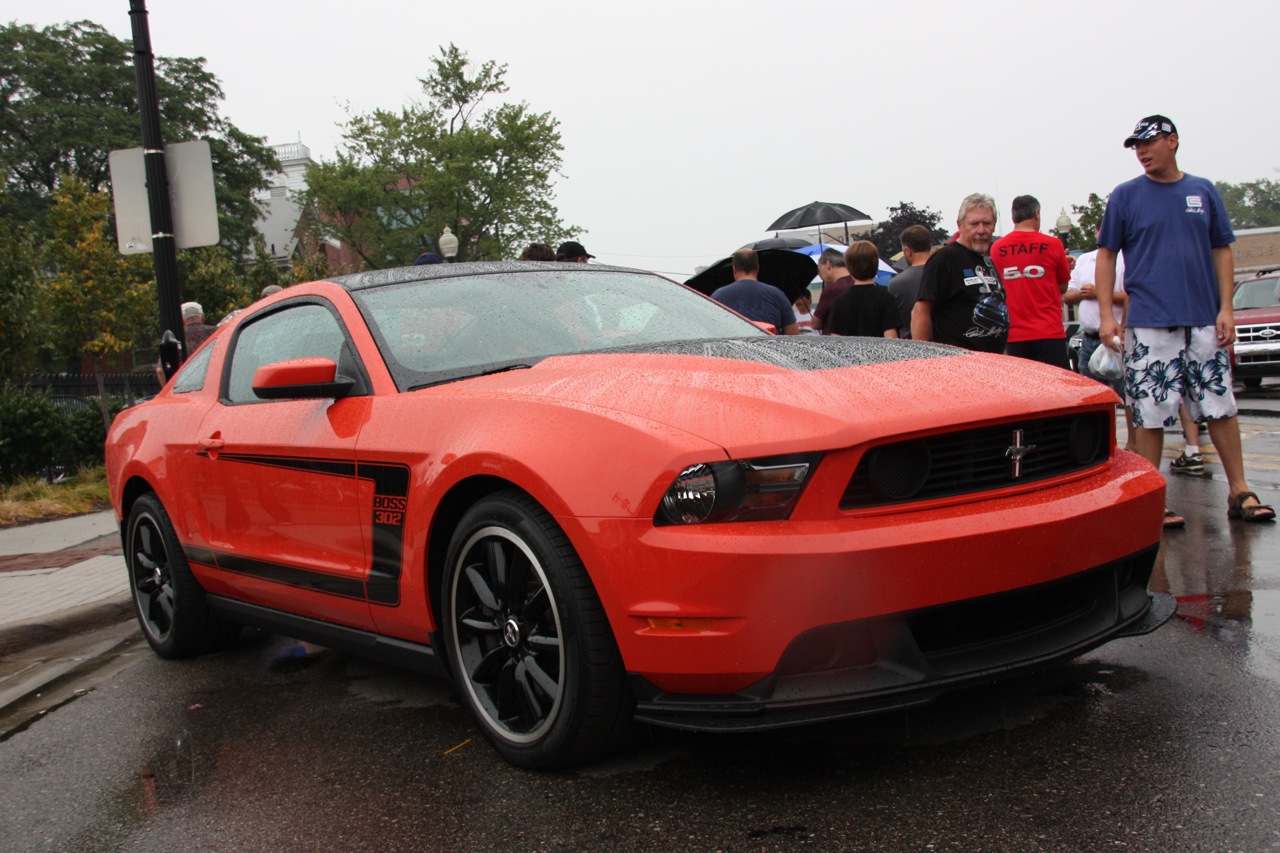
(298, 331)
(191, 376)
(443, 329)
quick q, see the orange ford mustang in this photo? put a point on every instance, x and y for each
(592, 497)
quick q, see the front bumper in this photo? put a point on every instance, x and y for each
(891, 662)
(711, 609)
(1256, 360)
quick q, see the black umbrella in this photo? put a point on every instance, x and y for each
(818, 213)
(779, 243)
(786, 270)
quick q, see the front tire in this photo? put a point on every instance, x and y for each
(528, 640)
(169, 602)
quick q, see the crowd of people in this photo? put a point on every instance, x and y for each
(1157, 291)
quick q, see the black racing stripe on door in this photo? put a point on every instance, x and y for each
(390, 505)
(292, 576)
(199, 555)
(333, 467)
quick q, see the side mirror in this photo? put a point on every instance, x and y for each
(301, 379)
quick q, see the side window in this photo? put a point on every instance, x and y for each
(191, 376)
(300, 331)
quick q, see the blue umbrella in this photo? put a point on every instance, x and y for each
(818, 248)
(882, 278)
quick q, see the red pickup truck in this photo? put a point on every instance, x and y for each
(1256, 306)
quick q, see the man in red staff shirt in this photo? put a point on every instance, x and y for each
(1034, 270)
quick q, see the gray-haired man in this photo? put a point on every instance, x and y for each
(961, 301)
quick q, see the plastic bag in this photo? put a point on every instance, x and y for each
(1105, 363)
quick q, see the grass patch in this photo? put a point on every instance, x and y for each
(32, 499)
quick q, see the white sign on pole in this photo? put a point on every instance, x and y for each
(191, 196)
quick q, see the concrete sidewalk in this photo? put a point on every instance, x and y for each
(60, 577)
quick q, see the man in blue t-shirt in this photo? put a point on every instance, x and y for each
(1178, 274)
(754, 299)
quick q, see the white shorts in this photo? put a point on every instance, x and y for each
(1166, 367)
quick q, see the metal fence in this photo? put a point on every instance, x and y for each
(81, 386)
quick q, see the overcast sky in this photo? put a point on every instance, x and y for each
(688, 127)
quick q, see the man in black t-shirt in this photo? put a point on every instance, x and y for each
(961, 301)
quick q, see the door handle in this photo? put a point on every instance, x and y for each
(208, 444)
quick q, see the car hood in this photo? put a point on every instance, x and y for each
(758, 395)
(1257, 315)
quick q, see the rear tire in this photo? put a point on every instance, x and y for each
(169, 602)
(528, 640)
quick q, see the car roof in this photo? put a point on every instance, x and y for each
(430, 272)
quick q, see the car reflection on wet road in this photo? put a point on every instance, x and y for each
(1169, 741)
(1226, 574)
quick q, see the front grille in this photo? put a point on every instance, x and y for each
(1243, 357)
(1261, 333)
(952, 637)
(978, 460)
(1258, 345)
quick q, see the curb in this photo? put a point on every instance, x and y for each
(57, 626)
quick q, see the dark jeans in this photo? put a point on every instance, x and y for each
(1048, 350)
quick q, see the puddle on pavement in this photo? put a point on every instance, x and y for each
(385, 685)
(1226, 587)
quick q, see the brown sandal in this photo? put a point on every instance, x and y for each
(1258, 512)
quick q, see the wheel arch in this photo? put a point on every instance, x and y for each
(134, 488)
(460, 497)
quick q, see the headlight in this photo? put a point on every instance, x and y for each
(747, 490)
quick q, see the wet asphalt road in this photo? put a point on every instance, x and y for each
(1164, 742)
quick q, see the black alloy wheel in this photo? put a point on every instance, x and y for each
(170, 604)
(528, 640)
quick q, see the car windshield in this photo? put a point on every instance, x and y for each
(444, 329)
(1258, 293)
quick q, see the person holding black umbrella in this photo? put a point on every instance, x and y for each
(754, 299)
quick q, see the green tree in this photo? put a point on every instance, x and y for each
(210, 276)
(1083, 233)
(102, 302)
(401, 177)
(1253, 204)
(68, 97)
(887, 234)
(22, 320)
(312, 266)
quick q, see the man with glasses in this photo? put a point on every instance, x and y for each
(1176, 239)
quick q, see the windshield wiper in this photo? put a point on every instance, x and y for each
(469, 375)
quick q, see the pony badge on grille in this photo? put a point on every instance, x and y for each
(1017, 451)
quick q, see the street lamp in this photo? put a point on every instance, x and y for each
(448, 244)
(1063, 226)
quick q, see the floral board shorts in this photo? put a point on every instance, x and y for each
(1165, 367)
